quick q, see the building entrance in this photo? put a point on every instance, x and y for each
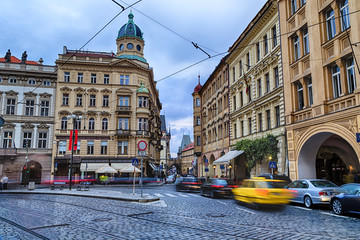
(332, 168)
(31, 173)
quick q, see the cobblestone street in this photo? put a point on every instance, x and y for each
(177, 215)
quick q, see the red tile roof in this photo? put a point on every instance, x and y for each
(188, 147)
(16, 60)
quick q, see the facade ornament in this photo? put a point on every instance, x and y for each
(24, 57)
(8, 56)
(142, 88)
(43, 126)
(28, 126)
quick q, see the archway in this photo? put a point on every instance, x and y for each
(212, 170)
(31, 172)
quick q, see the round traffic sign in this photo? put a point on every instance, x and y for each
(142, 145)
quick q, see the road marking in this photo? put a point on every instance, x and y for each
(170, 195)
(158, 195)
(245, 210)
(221, 202)
(307, 209)
(182, 195)
(334, 215)
(194, 195)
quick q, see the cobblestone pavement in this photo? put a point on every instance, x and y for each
(177, 215)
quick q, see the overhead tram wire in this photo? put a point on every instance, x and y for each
(67, 60)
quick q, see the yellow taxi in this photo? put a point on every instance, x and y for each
(261, 191)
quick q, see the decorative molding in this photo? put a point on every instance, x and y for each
(8, 125)
(64, 112)
(105, 113)
(45, 95)
(28, 126)
(65, 89)
(91, 113)
(43, 126)
(30, 94)
(124, 90)
(11, 93)
(79, 89)
(92, 90)
(106, 90)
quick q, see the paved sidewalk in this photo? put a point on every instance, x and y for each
(91, 193)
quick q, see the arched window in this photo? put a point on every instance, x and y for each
(104, 125)
(91, 124)
(64, 123)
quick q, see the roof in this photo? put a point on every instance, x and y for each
(184, 142)
(89, 53)
(188, 147)
(16, 60)
(130, 29)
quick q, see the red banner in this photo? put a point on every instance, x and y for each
(70, 140)
(76, 140)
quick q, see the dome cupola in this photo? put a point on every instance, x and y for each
(130, 29)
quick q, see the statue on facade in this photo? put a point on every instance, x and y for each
(24, 57)
(8, 56)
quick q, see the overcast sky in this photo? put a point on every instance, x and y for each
(43, 27)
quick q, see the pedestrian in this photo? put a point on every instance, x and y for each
(357, 177)
(4, 181)
(1, 184)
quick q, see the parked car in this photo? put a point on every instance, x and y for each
(261, 191)
(313, 191)
(348, 200)
(170, 179)
(188, 184)
(216, 187)
(283, 177)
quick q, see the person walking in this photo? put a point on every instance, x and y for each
(4, 181)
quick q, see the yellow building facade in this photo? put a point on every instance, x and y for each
(321, 79)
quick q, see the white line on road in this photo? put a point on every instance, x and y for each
(158, 195)
(170, 195)
(221, 202)
(194, 195)
(182, 195)
(307, 209)
(334, 215)
(245, 210)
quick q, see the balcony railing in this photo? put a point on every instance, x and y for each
(123, 132)
(123, 109)
(8, 151)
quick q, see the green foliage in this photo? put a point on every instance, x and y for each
(258, 150)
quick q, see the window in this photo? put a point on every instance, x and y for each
(198, 121)
(80, 77)
(274, 37)
(249, 92)
(31, 82)
(198, 140)
(78, 124)
(257, 51)
(235, 131)
(29, 107)
(123, 101)
(330, 24)
(242, 128)
(27, 137)
(65, 101)
(79, 99)
(46, 83)
(300, 91)
(77, 151)
(197, 102)
(234, 103)
(93, 78)
(105, 101)
(143, 124)
(241, 99)
(277, 116)
(64, 121)
(248, 61)
(66, 76)
(276, 76)
(268, 120)
(10, 106)
(42, 139)
(260, 122)
(90, 147)
(250, 125)
(306, 41)
(92, 102)
(350, 74)
(296, 47)
(143, 102)
(12, 80)
(240, 68)
(336, 81)
(62, 147)
(8, 139)
(91, 124)
(44, 108)
(259, 87)
(124, 123)
(124, 79)
(302, 2)
(310, 92)
(106, 78)
(103, 147)
(234, 74)
(344, 14)
(123, 147)
(104, 124)
(267, 80)
(293, 6)
(266, 47)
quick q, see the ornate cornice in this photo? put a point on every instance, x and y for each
(28, 126)
(11, 93)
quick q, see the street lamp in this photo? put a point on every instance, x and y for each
(230, 167)
(272, 170)
(74, 117)
(214, 167)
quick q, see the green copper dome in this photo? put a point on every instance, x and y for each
(130, 29)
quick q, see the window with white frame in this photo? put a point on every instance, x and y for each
(32, 81)
(242, 128)
(350, 74)
(123, 147)
(62, 147)
(123, 101)
(198, 121)
(27, 137)
(105, 100)
(44, 107)
(8, 139)
(93, 78)
(10, 106)
(310, 91)
(300, 91)
(240, 68)
(143, 102)
(330, 24)
(197, 102)
(336, 81)
(143, 124)
(274, 37)
(42, 140)
(91, 124)
(248, 61)
(79, 98)
(65, 99)
(64, 121)
(13, 80)
(103, 147)
(78, 124)
(106, 78)
(344, 14)
(296, 45)
(123, 123)
(306, 41)
(90, 147)
(66, 76)
(105, 124)
(92, 101)
(124, 79)
(266, 47)
(234, 74)
(80, 78)
(235, 131)
(29, 107)
(46, 82)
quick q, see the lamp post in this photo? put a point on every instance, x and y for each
(74, 117)
(272, 170)
(230, 167)
(214, 167)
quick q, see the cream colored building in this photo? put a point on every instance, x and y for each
(116, 96)
(256, 89)
(186, 160)
(211, 122)
(321, 76)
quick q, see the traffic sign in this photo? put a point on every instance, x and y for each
(142, 145)
(206, 169)
(206, 164)
(135, 162)
(2, 121)
(206, 160)
(222, 166)
(272, 164)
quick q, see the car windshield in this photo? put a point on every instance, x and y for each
(351, 188)
(272, 184)
(191, 179)
(219, 182)
(321, 184)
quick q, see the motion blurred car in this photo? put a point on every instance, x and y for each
(283, 177)
(313, 191)
(261, 191)
(216, 187)
(188, 184)
(348, 200)
(170, 179)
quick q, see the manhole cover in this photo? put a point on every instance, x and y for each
(215, 215)
(102, 219)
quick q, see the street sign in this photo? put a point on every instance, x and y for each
(206, 164)
(142, 153)
(2, 121)
(161, 166)
(135, 162)
(206, 160)
(272, 164)
(206, 169)
(222, 166)
(357, 137)
(142, 145)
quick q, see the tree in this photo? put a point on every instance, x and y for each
(258, 149)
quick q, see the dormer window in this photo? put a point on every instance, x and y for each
(31, 82)
(138, 47)
(12, 80)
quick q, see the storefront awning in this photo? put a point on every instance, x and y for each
(92, 167)
(228, 156)
(152, 166)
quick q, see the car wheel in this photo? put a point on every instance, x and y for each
(337, 207)
(307, 202)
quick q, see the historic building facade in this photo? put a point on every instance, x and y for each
(165, 143)
(211, 122)
(256, 88)
(112, 101)
(27, 100)
(321, 87)
(186, 160)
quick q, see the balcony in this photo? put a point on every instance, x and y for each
(123, 132)
(123, 110)
(8, 151)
